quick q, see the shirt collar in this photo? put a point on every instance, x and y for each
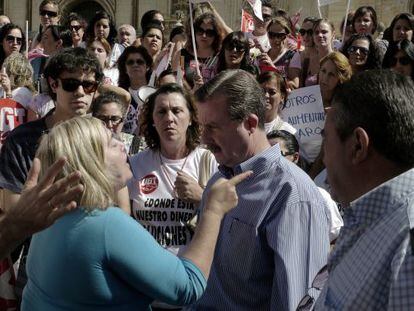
(380, 200)
(258, 163)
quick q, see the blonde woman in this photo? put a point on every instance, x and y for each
(97, 257)
(16, 82)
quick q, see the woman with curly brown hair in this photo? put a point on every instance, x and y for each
(170, 175)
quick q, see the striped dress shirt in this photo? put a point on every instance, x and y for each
(272, 244)
(372, 266)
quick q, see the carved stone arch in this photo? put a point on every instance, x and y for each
(67, 6)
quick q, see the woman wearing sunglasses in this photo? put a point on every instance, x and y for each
(305, 62)
(134, 67)
(98, 258)
(76, 24)
(400, 58)
(279, 56)
(12, 40)
(235, 54)
(363, 53)
(208, 37)
(49, 15)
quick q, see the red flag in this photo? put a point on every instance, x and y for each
(246, 22)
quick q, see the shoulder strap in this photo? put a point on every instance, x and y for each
(204, 173)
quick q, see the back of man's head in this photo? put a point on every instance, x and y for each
(380, 102)
(243, 94)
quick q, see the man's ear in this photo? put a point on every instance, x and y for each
(251, 123)
(53, 84)
(359, 144)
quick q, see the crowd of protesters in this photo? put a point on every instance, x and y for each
(140, 170)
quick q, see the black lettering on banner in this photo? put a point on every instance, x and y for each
(169, 235)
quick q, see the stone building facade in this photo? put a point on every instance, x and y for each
(130, 11)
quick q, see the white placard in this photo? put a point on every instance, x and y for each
(304, 111)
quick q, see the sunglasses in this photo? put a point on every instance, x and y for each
(75, 27)
(115, 120)
(239, 47)
(405, 60)
(353, 49)
(131, 62)
(71, 85)
(208, 32)
(12, 39)
(304, 32)
(278, 35)
(48, 13)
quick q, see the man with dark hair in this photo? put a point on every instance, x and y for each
(368, 144)
(273, 243)
(73, 76)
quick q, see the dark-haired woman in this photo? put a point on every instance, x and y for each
(234, 53)
(12, 40)
(400, 58)
(170, 175)
(275, 91)
(134, 66)
(208, 37)
(363, 53)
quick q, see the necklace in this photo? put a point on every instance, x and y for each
(164, 170)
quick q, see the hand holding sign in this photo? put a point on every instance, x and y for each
(223, 196)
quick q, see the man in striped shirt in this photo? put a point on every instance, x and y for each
(274, 242)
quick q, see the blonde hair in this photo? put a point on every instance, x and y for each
(343, 68)
(19, 71)
(81, 141)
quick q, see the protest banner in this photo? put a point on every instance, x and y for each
(304, 111)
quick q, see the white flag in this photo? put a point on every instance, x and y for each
(257, 8)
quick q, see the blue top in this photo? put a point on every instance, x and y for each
(105, 260)
(372, 265)
(273, 243)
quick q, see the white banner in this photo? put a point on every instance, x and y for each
(257, 8)
(304, 111)
(327, 2)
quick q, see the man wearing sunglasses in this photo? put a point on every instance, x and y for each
(368, 145)
(73, 76)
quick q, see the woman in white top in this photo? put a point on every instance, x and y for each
(275, 91)
(169, 176)
(101, 48)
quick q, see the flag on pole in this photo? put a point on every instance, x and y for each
(257, 8)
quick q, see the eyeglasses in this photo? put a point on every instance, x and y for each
(208, 32)
(353, 49)
(75, 27)
(115, 120)
(48, 13)
(279, 35)
(12, 39)
(405, 60)
(71, 85)
(304, 32)
(131, 62)
(319, 281)
(266, 17)
(233, 45)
